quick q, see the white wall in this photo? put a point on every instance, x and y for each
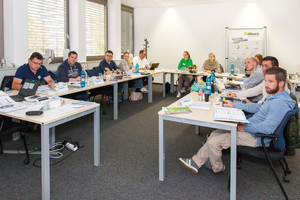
(200, 29)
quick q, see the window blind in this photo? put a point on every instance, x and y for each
(95, 29)
(46, 26)
(127, 31)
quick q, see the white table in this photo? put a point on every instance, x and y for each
(199, 73)
(198, 118)
(108, 82)
(48, 123)
(293, 84)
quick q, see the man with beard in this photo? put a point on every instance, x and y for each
(268, 115)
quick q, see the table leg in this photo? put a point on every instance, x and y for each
(197, 130)
(45, 163)
(116, 99)
(161, 144)
(126, 90)
(172, 83)
(233, 164)
(52, 136)
(150, 89)
(293, 88)
(97, 137)
(164, 84)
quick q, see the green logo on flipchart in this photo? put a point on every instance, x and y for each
(251, 33)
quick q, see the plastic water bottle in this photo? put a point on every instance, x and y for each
(137, 70)
(213, 77)
(82, 80)
(232, 69)
(208, 85)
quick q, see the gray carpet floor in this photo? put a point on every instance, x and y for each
(129, 162)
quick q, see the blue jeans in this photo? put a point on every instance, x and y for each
(137, 83)
(121, 86)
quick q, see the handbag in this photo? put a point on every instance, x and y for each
(136, 96)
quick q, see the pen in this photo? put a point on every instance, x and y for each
(223, 101)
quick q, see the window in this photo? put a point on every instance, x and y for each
(95, 29)
(127, 29)
(47, 26)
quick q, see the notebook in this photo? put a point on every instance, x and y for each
(29, 88)
(154, 65)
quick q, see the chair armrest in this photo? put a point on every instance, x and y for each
(266, 135)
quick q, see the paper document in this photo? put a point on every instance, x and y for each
(186, 101)
(176, 110)
(200, 105)
(230, 115)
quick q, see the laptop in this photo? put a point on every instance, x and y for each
(154, 65)
(29, 88)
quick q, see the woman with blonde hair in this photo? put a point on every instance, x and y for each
(126, 65)
(211, 64)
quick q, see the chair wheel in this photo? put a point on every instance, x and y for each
(289, 171)
(285, 179)
(26, 161)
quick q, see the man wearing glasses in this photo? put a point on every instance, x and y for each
(32, 70)
(108, 66)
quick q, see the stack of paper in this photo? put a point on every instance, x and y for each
(230, 115)
(201, 105)
(176, 110)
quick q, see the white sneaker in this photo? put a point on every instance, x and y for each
(183, 91)
(178, 95)
(144, 90)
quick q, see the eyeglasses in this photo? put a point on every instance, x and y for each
(109, 55)
(36, 63)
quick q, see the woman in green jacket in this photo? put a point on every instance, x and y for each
(184, 80)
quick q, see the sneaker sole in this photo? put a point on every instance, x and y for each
(188, 167)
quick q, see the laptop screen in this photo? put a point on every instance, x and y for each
(29, 87)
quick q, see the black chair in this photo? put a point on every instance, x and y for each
(7, 127)
(104, 91)
(52, 74)
(276, 150)
(221, 68)
(7, 83)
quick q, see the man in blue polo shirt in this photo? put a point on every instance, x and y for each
(32, 70)
(108, 65)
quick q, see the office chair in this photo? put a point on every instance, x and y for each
(221, 68)
(104, 91)
(7, 83)
(52, 75)
(275, 152)
(7, 127)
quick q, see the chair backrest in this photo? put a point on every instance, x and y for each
(93, 72)
(6, 82)
(279, 143)
(221, 68)
(52, 74)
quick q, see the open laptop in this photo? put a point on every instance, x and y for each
(29, 88)
(154, 65)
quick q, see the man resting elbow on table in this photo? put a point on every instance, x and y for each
(69, 71)
(266, 119)
(32, 70)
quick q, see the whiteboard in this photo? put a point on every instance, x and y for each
(242, 43)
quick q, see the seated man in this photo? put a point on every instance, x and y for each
(267, 63)
(108, 66)
(268, 115)
(32, 70)
(256, 75)
(69, 71)
(143, 64)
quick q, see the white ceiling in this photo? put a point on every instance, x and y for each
(171, 3)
